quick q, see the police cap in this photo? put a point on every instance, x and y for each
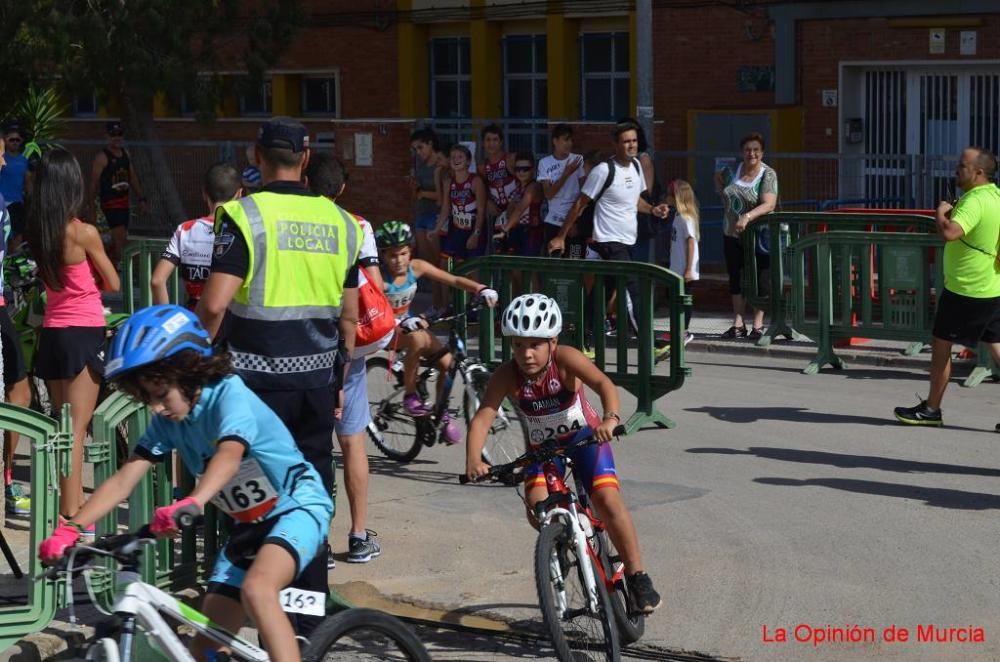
(283, 133)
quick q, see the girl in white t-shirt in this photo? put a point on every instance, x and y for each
(684, 237)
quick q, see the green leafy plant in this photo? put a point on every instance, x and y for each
(38, 112)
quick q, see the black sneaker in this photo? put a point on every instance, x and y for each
(919, 415)
(331, 562)
(362, 551)
(645, 599)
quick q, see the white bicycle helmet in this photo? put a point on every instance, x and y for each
(532, 316)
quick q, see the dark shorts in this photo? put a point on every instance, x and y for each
(63, 353)
(966, 320)
(735, 260)
(576, 247)
(17, 218)
(116, 218)
(526, 241)
(453, 245)
(14, 369)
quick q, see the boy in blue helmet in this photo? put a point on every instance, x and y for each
(246, 462)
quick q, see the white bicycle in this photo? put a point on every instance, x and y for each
(350, 634)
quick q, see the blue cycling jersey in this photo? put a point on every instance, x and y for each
(273, 477)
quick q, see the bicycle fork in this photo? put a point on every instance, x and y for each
(571, 520)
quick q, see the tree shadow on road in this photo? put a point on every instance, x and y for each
(932, 496)
(894, 373)
(845, 461)
(454, 642)
(414, 470)
(798, 415)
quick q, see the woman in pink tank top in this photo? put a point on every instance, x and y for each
(74, 267)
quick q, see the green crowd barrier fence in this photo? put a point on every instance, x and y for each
(565, 281)
(868, 284)
(783, 230)
(139, 258)
(51, 442)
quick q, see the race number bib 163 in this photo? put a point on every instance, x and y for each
(249, 495)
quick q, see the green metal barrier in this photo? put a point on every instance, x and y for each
(843, 302)
(138, 260)
(787, 228)
(50, 446)
(564, 281)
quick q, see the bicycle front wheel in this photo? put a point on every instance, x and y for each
(577, 631)
(364, 634)
(392, 430)
(508, 436)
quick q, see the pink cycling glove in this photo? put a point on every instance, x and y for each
(163, 518)
(53, 547)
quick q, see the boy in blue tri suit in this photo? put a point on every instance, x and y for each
(247, 465)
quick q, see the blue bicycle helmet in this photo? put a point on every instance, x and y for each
(153, 334)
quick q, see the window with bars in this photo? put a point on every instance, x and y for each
(604, 70)
(451, 87)
(525, 92)
(319, 94)
(256, 98)
(85, 105)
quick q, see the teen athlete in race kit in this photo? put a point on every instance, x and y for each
(191, 245)
(463, 212)
(247, 465)
(401, 274)
(545, 381)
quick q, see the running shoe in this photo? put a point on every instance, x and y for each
(735, 332)
(17, 502)
(414, 406)
(688, 337)
(645, 599)
(362, 550)
(589, 353)
(450, 434)
(919, 415)
(331, 562)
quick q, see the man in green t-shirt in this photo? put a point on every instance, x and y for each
(968, 309)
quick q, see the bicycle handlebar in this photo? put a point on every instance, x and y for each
(476, 303)
(118, 546)
(547, 451)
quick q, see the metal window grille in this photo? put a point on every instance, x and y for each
(604, 71)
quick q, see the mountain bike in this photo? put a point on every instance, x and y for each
(140, 608)
(400, 436)
(579, 576)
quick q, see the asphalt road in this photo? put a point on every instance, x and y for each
(780, 500)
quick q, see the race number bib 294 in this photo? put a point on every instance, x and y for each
(248, 496)
(559, 425)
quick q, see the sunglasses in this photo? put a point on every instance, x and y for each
(521, 168)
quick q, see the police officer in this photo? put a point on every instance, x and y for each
(285, 267)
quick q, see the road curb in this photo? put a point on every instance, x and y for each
(877, 358)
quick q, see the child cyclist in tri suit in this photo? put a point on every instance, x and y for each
(401, 274)
(463, 211)
(247, 465)
(545, 381)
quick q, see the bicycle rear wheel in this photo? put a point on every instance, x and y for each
(631, 623)
(577, 632)
(508, 436)
(364, 634)
(392, 430)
